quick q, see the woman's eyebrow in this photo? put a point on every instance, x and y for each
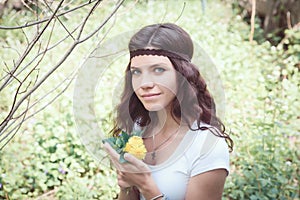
(151, 65)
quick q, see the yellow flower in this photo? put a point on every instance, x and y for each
(136, 147)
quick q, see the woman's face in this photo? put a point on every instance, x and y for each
(154, 81)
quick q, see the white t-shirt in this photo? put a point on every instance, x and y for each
(198, 152)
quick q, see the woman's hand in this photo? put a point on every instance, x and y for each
(133, 172)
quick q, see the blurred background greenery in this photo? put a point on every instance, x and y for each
(46, 159)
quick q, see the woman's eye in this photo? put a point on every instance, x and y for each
(159, 70)
(135, 72)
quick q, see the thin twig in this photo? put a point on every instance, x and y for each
(49, 193)
(86, 19)
(26, 25)
(59, 20)
(27, 6)
(17, 128)
(252, 20)
(105, 21)
(129, 9)
(4, 122)
(48, 49)
(40, 60)
(42, 108)
(296, 26)
(183, 7)
(165, 14)
(108, 30)
(288, 20)
(36, 78)
(37, 16)
(27, 40)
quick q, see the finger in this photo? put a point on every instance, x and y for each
(121, 181)
(110, 151)
(114, 156)
(123, 184)
(119, 176)
(140, 165)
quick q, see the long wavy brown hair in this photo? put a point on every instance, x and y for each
(192, 101)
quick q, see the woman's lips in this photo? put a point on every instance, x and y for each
(150, 96)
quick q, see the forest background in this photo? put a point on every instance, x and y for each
(255, 47)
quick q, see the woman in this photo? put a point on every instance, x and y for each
(166, 97)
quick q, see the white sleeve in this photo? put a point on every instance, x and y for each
(211, 156)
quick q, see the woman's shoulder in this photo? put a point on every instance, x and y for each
(205, 140)
(207, 151)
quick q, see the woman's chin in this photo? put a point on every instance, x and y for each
(154, 108)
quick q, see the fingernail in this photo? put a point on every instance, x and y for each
(126, 156)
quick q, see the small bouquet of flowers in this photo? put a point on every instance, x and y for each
(128, 143)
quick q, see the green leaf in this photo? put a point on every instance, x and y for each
(125, 137)
(122, 159)
(119, 142)
(119, 151)
(111, 141)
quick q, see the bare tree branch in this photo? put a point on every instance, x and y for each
(86, 19)
(252, 21)
(70, 78)
(30, 47)
(15, 129)
(46, 19)
(105, 21)
(8, 125)
(27, 6)
(41, 53)
(59, 20)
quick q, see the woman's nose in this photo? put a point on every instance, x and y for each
(147, 82)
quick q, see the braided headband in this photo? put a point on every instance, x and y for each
(159, 52)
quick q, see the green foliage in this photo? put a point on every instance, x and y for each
(261, 83)
(292, 43)
(56, 161)
(260, 171)
(265, 126)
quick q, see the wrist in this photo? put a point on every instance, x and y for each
(125, 190)
(150, 190)
(148, 187)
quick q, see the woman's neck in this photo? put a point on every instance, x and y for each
(165, 123)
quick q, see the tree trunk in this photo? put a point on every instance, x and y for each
(276, 15)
